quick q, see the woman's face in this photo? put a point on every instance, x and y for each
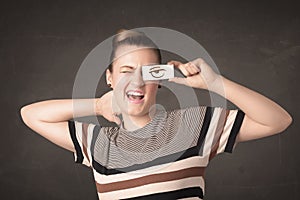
(133, 95)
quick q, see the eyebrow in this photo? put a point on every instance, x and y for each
(133, 67)
(127, 66)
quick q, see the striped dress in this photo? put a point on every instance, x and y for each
(165, 159)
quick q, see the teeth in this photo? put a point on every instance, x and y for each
(132, 93)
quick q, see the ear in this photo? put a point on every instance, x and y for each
(108, 77)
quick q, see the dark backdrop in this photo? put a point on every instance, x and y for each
(43, 43)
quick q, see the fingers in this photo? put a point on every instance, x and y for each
(180, 66)
(116, 119)
(192, 69)
(113, 118)
(188, 69)
(174, 62)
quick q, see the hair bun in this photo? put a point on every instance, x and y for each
(121, 30)
(132, 38)
(123, 34)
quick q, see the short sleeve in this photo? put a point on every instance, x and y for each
(223, 128)
(82, 137)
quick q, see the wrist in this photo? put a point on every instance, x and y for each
(217, 85)
(97, 107)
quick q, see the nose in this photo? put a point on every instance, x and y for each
(137, 78)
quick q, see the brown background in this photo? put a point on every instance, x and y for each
(43, 43)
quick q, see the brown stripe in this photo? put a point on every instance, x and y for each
(220, 126)
(84, 139)
(155, 178)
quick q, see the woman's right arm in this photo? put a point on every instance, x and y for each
(49, 118)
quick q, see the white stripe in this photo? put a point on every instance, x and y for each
(154, 188)
(78, 127)
(191, 198)
(89, 139)
(212, 131)
(227, 129)
(195, 161)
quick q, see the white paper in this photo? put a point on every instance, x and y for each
(157, 72)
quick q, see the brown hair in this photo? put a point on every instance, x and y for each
(130, 37)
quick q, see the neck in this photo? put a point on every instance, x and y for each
(132, 123)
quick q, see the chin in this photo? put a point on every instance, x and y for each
(137, 112)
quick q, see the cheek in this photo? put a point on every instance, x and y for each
(120, 81)
(152, 89)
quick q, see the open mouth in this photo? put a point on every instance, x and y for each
(135, 95)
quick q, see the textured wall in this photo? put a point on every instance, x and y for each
(43, 43)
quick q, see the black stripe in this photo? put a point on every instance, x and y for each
(96, 132)
(234, 131)
(72, 130)
(206, 122)
(193, 151)
(177, 194)
(190, 152)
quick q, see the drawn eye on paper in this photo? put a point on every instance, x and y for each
(158, 72)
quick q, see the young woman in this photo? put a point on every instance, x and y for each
(153, 154)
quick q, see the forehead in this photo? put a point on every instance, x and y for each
(134, 55)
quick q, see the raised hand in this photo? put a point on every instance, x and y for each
(198, 74)
(107, 107)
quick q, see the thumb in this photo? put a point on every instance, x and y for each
(117, 120)
(178, 80)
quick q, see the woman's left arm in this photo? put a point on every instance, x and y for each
(263, 117)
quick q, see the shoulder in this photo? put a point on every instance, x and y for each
(188, 116)
(192, 110)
